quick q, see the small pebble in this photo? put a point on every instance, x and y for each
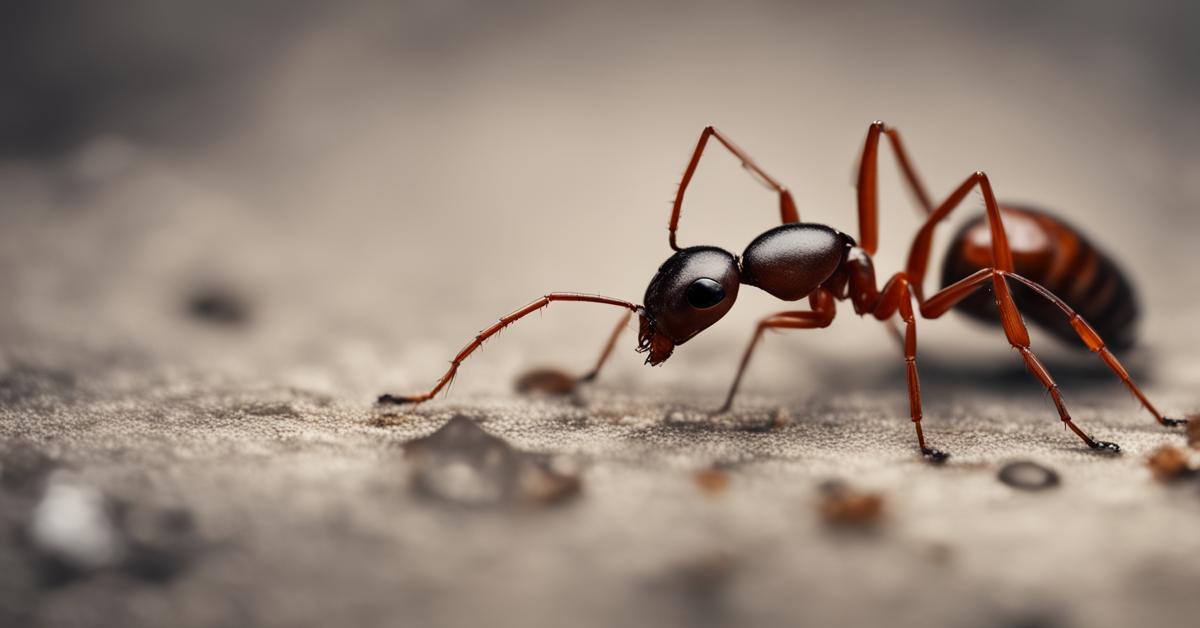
(1028, 476)
(546, 381)
(843, 505)
(1168, 463)
(219, 307)
(712, 481)
(463, 464)
(72, 528)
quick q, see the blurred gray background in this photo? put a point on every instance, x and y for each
(356, 188)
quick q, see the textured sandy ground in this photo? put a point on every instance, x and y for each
(299, 511)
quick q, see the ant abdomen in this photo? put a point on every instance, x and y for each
(1059, 257)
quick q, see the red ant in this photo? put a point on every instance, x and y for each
(697, 285)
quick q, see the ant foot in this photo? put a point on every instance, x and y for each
(394, 400)
(1105, 446)
(935, 456)
(1174, 422)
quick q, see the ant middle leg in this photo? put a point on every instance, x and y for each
(896, 297)
(821, 315)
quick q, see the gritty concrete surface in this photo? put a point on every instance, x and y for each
(295, 508)
(193, 329)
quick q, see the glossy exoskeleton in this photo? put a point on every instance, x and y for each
(1010, 260)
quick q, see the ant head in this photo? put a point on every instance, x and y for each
(692, 290)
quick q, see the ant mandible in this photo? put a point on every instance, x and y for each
(697, 285)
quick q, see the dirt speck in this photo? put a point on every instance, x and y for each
(842, 505)
(462, 464)
(712, 481)
(546, 381)
(218, 306)
(1027, 475)
(1168, 463)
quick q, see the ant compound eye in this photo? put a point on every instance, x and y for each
(705, 293)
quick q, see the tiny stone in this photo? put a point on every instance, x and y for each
(546, 381)
(72, 528)
(1028, 476)
(219, 307)
(712, 481)
(463, 464)
(843, 505)
(1168, 463)
(1193, 431)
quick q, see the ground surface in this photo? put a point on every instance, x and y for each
(285, 506)
(205, 284)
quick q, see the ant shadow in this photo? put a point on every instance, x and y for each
(1073, 372)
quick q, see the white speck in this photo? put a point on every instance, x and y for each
(71, 523)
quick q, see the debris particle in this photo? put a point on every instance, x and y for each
(700, 580)
(72, 528)
(75, 531)
(843, 505)
(940, 554)
(463, 464)
(1168, 463)
(219, 307)
(780, 419)
(546, 381)
(712, 481)
(1028, 476)
(160, 542)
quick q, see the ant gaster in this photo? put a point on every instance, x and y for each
(697, 285)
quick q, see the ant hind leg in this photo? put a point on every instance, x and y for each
(1018, 336)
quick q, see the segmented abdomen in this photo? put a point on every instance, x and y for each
(1057, 256)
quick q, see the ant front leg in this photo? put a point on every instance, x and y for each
(787, 207)
(499, 325)
(821, 315)
(608, 348)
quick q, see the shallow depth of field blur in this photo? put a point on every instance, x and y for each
(219, 201)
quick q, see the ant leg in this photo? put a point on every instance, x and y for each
(1096, 344)
(494, 329)
(787, 207)
(868, 183)
(918, 255)
(896, 297)
(608, 347)
(1018, 337)
(821, 315)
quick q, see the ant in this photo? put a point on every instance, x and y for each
(1010, 257)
